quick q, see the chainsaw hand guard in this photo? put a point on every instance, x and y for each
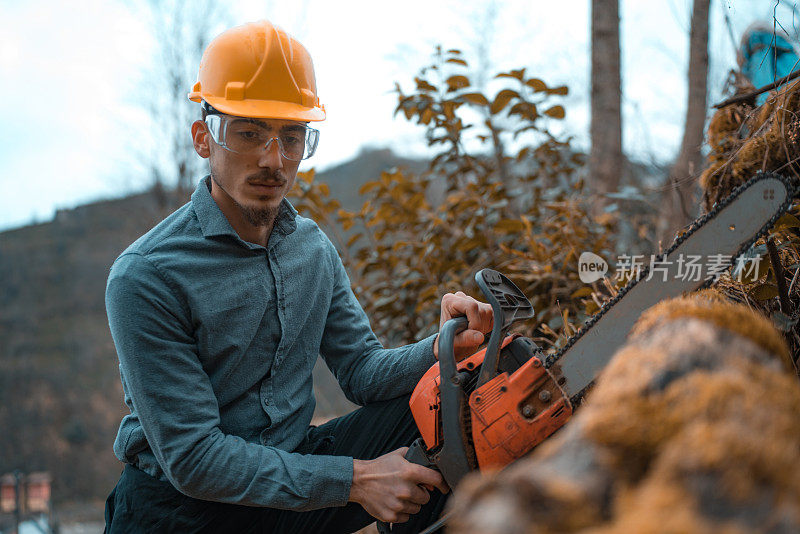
(509, 304)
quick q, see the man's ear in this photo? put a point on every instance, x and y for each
(200, 138)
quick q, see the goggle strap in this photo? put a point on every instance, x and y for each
(209, 109)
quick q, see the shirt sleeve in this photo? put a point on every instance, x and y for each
(172, 397)
(366, 371)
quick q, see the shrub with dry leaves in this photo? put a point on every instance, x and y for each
(501, 191)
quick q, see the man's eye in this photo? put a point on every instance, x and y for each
(249, 135)
(292, 139)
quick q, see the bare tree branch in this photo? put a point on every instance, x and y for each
(181, 32)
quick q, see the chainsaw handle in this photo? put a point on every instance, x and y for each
(447, 352)
(415, 454)
(453, 462)
(452, 459)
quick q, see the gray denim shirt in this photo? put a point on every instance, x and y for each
(217, 338)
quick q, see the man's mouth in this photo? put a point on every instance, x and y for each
(271, 185)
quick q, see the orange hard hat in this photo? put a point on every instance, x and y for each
(258, 70)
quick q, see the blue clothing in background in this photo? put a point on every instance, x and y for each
(767, 57)
(217, 339)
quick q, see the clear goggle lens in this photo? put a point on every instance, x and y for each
(296, 141)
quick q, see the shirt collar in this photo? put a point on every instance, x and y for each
(213, 222)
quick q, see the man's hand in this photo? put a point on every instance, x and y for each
(390, 488)
(479, 315)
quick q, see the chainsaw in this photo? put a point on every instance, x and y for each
(491, 408)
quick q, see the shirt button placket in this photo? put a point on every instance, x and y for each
(265, 392)
(281, 305)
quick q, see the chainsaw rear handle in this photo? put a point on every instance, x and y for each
(416, 455)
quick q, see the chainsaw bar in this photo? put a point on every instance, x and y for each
(726, 232)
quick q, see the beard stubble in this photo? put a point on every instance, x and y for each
(263, 216)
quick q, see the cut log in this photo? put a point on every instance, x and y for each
(693, 427)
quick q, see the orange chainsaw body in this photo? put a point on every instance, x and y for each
(509, 415)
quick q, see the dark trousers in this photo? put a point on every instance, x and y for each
(141, 503)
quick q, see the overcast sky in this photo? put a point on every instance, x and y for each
(72, 122)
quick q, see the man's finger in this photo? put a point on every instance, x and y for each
(430, 477)
(468, 338)
(460, 304)
(411, 508)
(472, 311)
(479, 315)
(419, 495)
(487, 317)
(401, 518)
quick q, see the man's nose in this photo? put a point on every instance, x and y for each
(271, 155)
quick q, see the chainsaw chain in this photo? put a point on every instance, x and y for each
(791, 187)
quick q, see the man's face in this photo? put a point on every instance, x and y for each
(254, 182)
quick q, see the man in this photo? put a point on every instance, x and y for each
(218, 315)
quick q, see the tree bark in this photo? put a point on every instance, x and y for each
(606, 159)
(682, 186)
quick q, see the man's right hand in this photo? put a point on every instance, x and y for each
(390, 488)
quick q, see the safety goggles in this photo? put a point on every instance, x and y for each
(244, 135)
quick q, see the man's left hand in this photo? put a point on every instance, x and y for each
(479, 315)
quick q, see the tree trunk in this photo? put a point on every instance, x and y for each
(605, 159)
(682, 186)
